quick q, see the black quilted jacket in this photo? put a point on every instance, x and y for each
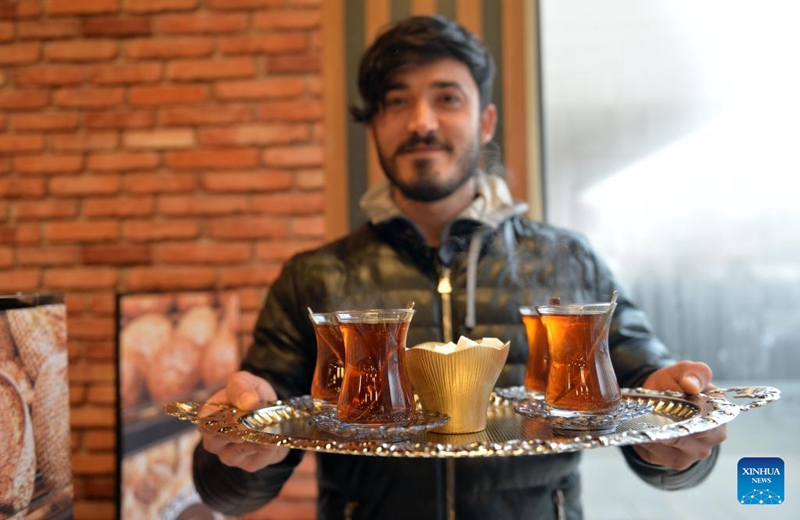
(494, 267)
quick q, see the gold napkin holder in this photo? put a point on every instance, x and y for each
(457, 382)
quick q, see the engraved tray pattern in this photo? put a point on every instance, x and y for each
(287, 423)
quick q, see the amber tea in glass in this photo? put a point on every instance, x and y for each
(329, 370)
(580, 375)
(376, 387)
(536, 368)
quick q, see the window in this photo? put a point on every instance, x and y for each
(669, 129)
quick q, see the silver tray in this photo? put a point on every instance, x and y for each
(287, 423)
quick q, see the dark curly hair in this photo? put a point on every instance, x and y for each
(416, 41)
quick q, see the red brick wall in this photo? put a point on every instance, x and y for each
(154, 145)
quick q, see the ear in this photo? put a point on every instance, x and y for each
(488, 123)
(371, 128)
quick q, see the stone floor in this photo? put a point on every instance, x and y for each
(612, 492)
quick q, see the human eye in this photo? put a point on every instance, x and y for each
(450, 99)
(394, 101)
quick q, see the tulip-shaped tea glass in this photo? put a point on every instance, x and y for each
(536, 368)
(581, 379)
(329, 370)
(376, 388)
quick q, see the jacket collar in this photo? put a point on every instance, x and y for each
(492, 205)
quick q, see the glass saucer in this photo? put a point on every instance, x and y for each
(587, 422)
(518, 393)
(327, 420)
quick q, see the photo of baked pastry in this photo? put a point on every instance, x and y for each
(158, 483)
(174, 347)
(35, 454)
(171, 347)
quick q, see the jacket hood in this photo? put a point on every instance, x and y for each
(492, 205)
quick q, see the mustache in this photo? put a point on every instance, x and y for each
(429, 141)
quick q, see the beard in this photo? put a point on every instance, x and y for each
(426, 184)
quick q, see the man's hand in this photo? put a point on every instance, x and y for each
(244, 391)
(690, 377)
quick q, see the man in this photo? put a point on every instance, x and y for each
(447, 236)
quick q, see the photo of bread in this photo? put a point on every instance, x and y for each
(17, 455)
(221, 355)
(6, 341)
(35, 443)
(172, 347)
(175, 347)
(157, 482)
(174, 370)
(198, 324)
(38, 333)
(50, 414)
(140, 339)
(145, 304)
(12, 369)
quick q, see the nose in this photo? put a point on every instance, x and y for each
(423, 119)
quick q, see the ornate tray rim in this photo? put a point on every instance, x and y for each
(712, 409)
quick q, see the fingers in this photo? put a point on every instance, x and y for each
(667, 456)
(219, 397)
(244, 455)
(215, 444)
(715, 436)
(690, 377)
(681, 452)
(679, 456)
(695, 378)
(246, 390)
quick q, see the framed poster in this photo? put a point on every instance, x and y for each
(171, 346)
(35, 448)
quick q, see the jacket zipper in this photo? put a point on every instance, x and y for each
(560, 501)
(349, 509)
(445, 289)
(450, 487)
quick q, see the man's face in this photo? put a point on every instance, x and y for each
(430, 129)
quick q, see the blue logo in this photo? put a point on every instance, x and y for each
(761, 481)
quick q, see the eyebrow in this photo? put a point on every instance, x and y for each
(399, 85)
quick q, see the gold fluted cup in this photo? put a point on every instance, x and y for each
(457, 379)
